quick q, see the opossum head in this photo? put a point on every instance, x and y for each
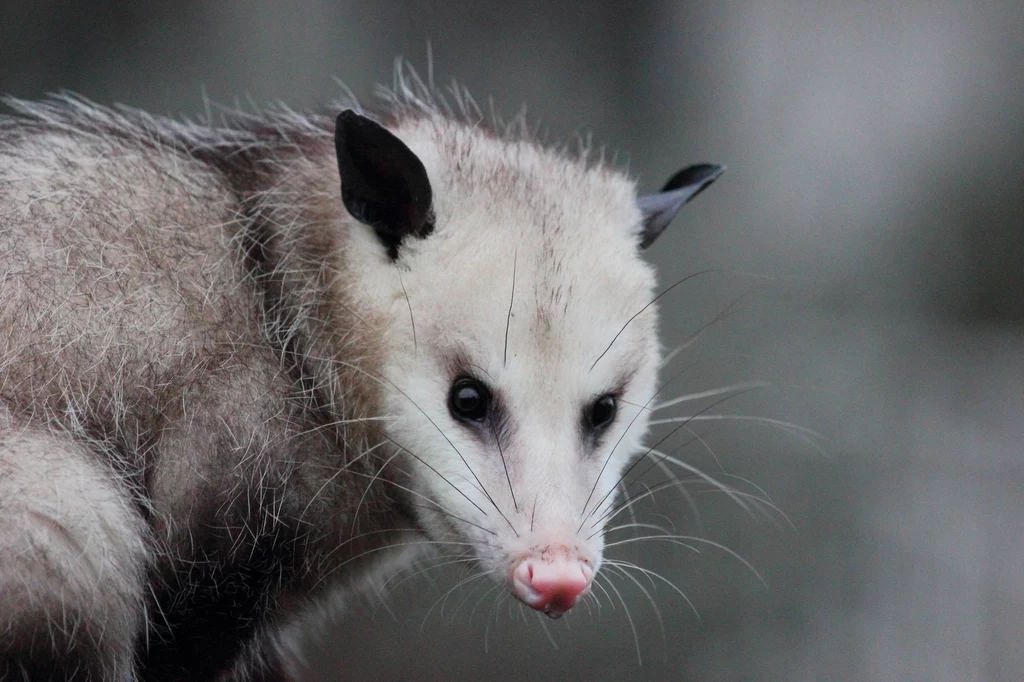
(521, 345)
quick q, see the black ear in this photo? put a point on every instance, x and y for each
(383, 184)
(659, 209)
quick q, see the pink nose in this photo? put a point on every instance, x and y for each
(552, 586)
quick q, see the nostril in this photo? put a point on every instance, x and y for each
(551, 586)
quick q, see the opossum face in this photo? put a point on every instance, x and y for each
(521, 350)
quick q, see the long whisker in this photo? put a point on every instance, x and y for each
(683, 492)
(709, 394)
(764, 493)
(629, 617)
(639, 312)
(544, 626)
(444, 601)
(802, 432)
(367, 534)
(761, 502)
(374, 550)
(331, 480)
(469, 595)
(444, 597)
(701, 438)
(621, 436)
(605, 465)
(654, 605)
(422, 461)
(366, 490)
(508, 319)
(482, 488)
(441, 561)
(683, 539)
(492, 616)
(654, 574)
(593, 603)
(651, 449)
(504, 465)
(480, 601)
(412, 321)
(727, 489)
(437, 506)
(627, 526)
(694, 336)
(331, 424)
(612, 512)
(632, 513)
(385, 380)
(597, 583)
(674, 480)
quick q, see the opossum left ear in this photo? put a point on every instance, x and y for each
(383, 183)
(659, 209)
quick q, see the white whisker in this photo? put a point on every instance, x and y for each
(690, 397)
(682, 540)
(805, 434)
(629, 618)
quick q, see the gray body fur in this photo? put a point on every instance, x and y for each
(166, 432)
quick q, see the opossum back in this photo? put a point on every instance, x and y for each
(116, 267)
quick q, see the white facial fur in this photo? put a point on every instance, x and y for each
(568, 234)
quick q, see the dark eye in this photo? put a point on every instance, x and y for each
(469, 399)
(602, 412)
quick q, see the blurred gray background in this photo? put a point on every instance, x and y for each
(872, 214)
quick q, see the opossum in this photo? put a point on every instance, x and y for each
(245, 365)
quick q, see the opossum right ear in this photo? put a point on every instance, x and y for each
(383, 183)
(659, 209)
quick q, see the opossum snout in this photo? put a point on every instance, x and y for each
(553, 584)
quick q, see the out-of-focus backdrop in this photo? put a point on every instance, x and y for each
(872, 218)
